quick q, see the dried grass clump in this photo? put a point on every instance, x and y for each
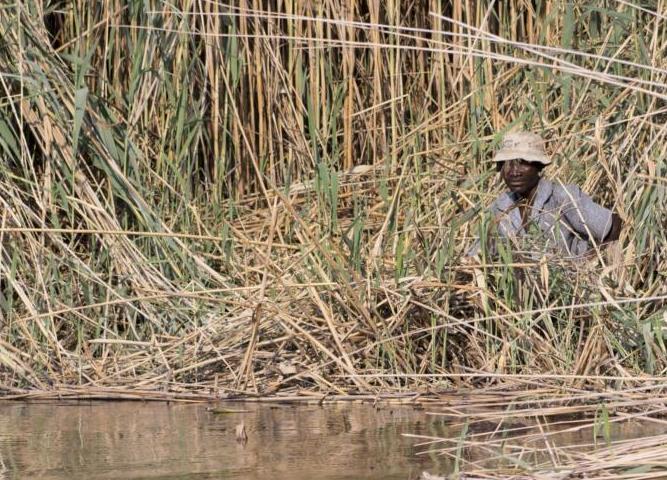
(210, 199)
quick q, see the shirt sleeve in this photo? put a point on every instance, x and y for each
(474, 249)
(585, 216)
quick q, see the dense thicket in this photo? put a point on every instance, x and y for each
(277, 194)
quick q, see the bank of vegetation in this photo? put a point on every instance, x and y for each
(274, 197)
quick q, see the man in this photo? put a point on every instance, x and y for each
(538, 214)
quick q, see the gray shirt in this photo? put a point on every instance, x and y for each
(561, 218)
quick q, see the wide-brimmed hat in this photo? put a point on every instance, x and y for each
(522, 145)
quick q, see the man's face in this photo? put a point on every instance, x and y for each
(520, 176)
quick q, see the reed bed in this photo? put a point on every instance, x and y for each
(540, 434)
(275, 198)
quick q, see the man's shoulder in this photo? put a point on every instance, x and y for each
(503, 202)
(564, 192)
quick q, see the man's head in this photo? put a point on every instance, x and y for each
(520, 160)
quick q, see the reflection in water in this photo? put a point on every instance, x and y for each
(3, 469)
(160, 441)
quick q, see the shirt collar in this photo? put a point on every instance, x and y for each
(507, 204)
(544, 190)
(542, 194)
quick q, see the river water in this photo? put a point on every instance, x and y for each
(134, 440)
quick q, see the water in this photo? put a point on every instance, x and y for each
(133, 440)
(130, 440)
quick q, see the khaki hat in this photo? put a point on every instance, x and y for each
(522, 145)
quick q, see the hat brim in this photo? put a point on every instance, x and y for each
(519, 154)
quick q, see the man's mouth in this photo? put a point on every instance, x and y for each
(516, 183)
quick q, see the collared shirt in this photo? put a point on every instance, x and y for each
(561, 218)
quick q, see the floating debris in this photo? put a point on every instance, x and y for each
(225, 411)
(241, 435)
(491, 444)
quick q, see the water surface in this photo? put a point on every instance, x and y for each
(132, 440)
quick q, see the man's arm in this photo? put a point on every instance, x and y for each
(590, 219)
(615, 230)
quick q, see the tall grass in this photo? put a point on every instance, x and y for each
(264, 196)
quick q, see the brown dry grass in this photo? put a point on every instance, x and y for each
(274, 197)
